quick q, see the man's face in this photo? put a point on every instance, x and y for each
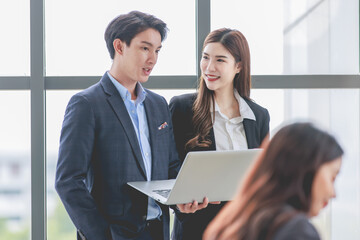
(140, 57)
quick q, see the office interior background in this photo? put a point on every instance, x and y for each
(305, 66)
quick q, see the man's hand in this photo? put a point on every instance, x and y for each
(193, 207)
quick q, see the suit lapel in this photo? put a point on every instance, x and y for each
(151, 114)
(122, 114)
(252, 137)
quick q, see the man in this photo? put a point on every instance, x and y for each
(115, 132)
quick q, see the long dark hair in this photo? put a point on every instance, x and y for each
(235, 42)
(282, 176)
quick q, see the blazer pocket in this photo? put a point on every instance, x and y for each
(115, 210)
(118, 231)
(162, 131)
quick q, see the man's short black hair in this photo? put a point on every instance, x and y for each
(127, 26)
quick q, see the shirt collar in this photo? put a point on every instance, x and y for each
(125, 94)
(244, 108)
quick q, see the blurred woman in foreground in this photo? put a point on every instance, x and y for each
(290, 182)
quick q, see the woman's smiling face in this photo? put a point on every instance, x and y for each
(218, 67)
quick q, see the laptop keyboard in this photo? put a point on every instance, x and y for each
(163, 192)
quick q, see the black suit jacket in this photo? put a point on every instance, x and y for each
(192, 226)
(99, 153)
(297, 228)
(294, 225)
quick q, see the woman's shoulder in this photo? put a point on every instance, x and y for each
(297, 228)
(184, 101)
(255, 107)
(188, 97)
(261, 113)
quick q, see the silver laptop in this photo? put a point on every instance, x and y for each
(212, 174)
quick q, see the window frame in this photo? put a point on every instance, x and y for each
(38, 83)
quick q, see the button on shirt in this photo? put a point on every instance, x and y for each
(137, 114)
(230, 133)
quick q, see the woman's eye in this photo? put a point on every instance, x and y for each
(205, 57)
(220, 60)
(146, 48)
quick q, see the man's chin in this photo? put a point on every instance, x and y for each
(144, 79)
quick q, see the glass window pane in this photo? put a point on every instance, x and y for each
(325, 107)
(295, 37)
(345, 209)
(15, 38)
(15, 174)
(75, 44)
(59, 225)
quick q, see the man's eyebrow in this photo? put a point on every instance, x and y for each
(150, 44)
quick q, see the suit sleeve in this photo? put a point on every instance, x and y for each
(265, 126)
(179, 122)
(174, 164)
(76, 146)
(177, 115)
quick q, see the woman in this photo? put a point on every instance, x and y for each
(292, 181)
(221, 116)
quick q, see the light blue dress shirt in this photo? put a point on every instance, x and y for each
(137, 113)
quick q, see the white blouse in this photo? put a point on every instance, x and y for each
(230, 133)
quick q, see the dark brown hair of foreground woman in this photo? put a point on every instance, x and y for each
(282, 176)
